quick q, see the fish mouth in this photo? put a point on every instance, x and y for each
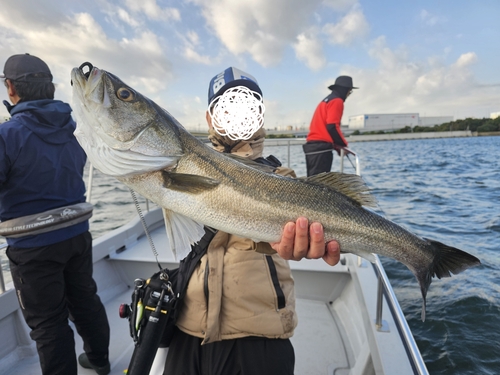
(79, 77)
(87, 82)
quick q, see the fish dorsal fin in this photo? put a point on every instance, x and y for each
(182, 232)
(350, 185)
(188, 183)
(248, 162)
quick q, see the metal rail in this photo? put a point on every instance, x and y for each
(385, 288)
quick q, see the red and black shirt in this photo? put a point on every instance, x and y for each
(325, 124)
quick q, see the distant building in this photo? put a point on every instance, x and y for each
(393, 121)
(375, 122)
(494, 115)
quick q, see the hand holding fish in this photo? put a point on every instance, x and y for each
(300, 241)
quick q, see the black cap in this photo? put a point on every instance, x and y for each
(26, 68)
(343, 81)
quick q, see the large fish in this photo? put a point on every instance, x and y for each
(128, 136)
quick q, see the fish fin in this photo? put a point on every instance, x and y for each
(188, 183)
(182, 232)
(265, 248)
(350, 185)
(251, 163)
(448, 260)
(451, 260)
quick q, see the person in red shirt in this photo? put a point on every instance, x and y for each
(324, 131)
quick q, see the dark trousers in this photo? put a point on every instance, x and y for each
(245, 356)
(319, 157)
(54, 283)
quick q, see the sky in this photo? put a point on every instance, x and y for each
(435, 58)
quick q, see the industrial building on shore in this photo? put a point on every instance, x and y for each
(393, 121)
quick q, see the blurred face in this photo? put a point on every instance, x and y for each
(237, 114)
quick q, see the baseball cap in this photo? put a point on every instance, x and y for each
(231, 77)
(26, 68)
(343, 81)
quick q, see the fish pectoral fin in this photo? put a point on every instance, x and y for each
(265, 248)
(350, 185)
(182, 232)
(188, 183)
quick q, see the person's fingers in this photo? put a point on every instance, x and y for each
(285, 247)
(332, 255)
(301, 245)
(317, 241)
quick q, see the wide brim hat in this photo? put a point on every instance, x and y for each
(343, 81)
(231, 77)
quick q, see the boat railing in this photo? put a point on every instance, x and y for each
(385, 288)
(288, 142)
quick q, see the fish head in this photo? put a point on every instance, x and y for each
(122, 131)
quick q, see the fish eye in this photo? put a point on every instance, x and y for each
(125, 94)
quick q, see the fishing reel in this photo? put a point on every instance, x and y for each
(148, 313)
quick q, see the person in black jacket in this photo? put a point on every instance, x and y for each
(41, 169)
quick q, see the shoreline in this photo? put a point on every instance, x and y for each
(406, 136)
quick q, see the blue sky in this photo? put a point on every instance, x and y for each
(437, 58)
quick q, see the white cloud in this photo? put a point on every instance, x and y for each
(351, 27)
(191, 49)
(431, 19)
(309, 50)
(192, 55)
(193, 37)
(398, 84)
(261, 28)
(466, 59)
(124, 16)
(72, 40)
(153, 11)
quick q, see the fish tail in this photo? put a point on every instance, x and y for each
(447, 261)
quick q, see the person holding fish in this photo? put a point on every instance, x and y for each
(239, 310)
(41, 170)
(324, 132)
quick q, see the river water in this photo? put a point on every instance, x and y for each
(443, 189)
